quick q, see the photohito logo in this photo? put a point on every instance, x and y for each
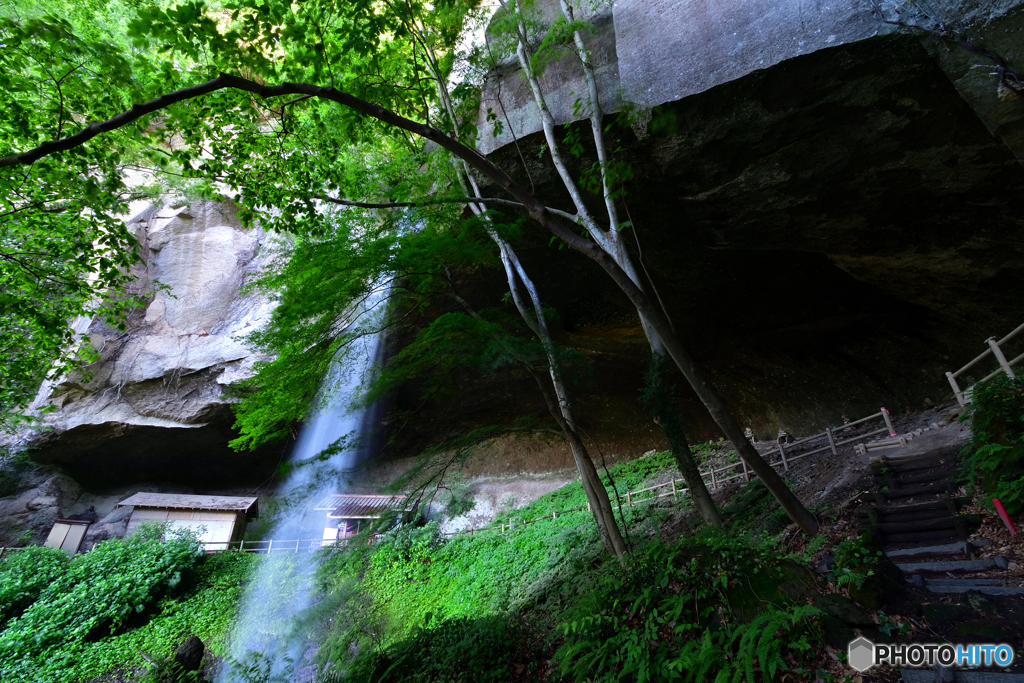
(862, 654)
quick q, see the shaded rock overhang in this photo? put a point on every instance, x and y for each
(829, 233)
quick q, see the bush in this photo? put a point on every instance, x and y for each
(685, 613)
(99, 591)
(24, 574)
(994, 459)
(854, 559)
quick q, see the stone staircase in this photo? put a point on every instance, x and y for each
(917, 520)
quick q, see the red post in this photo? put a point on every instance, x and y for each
(1006, 518)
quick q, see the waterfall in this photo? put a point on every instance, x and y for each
(282, 585)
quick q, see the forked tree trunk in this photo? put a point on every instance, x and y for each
(656, 326)
(658, 395)
(561, 410)
(611, 241)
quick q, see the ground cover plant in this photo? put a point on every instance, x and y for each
(994, 458)
(114, 607)
(544, 601)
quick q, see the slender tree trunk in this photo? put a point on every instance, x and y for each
(655, 325)
(658, 395)
(593, 487)
(611, 241)
(597, 495)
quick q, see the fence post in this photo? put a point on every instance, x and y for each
(746, 474)
(674, 494)
(998, 353)
(297, 540)
(270, 546)
(714, 481)
(888, 422)
(956, 389)
(554, 514)
(831, 441)
(629, 500)
(782, 452)
(241, 546)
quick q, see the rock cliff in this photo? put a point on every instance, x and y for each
(152, 408)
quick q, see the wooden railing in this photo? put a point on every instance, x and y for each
(787, 453)
(995, 350)
(779, 455)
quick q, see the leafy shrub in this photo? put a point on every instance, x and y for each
(854, 558)
(995, 456)
(677, 615)
(99, 591)
(23, 576)
(461, 650)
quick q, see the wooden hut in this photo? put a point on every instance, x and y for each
(220, 519)
(347, 512)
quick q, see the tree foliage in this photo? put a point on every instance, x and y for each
(64, 248)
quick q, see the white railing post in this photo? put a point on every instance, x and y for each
(674, 494)
(714, 482)
(746, 475)
(271, 545)
(831, 440)
(782, 452)
(629, 499)
(956, 389)
(998, 353)
(888, 422)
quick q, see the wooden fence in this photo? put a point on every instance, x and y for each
(779, 455)
(995, 350)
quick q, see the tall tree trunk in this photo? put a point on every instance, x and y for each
(593, 487)
(656, 326)
(658, 395)
(611, 241)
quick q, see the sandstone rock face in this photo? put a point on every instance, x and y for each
(29, 514)
(651, 52)
(153, 407)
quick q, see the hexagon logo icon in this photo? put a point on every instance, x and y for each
(861, 654)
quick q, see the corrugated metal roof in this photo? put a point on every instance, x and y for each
(355, 506)
(188, 501)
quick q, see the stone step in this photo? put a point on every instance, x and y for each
(930, 676)
(908, 465)
(986, 586)
(944, 550)
(954, 566)
(937, 504)
(920, 538)
(917, 491)
(935, 524)
(904, 480)
(898, 515)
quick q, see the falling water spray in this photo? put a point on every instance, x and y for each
(262, 644)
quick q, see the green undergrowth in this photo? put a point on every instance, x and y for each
(542, 602)
(108, 610)
(545, 602)
(994, 459)
(627, 476)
